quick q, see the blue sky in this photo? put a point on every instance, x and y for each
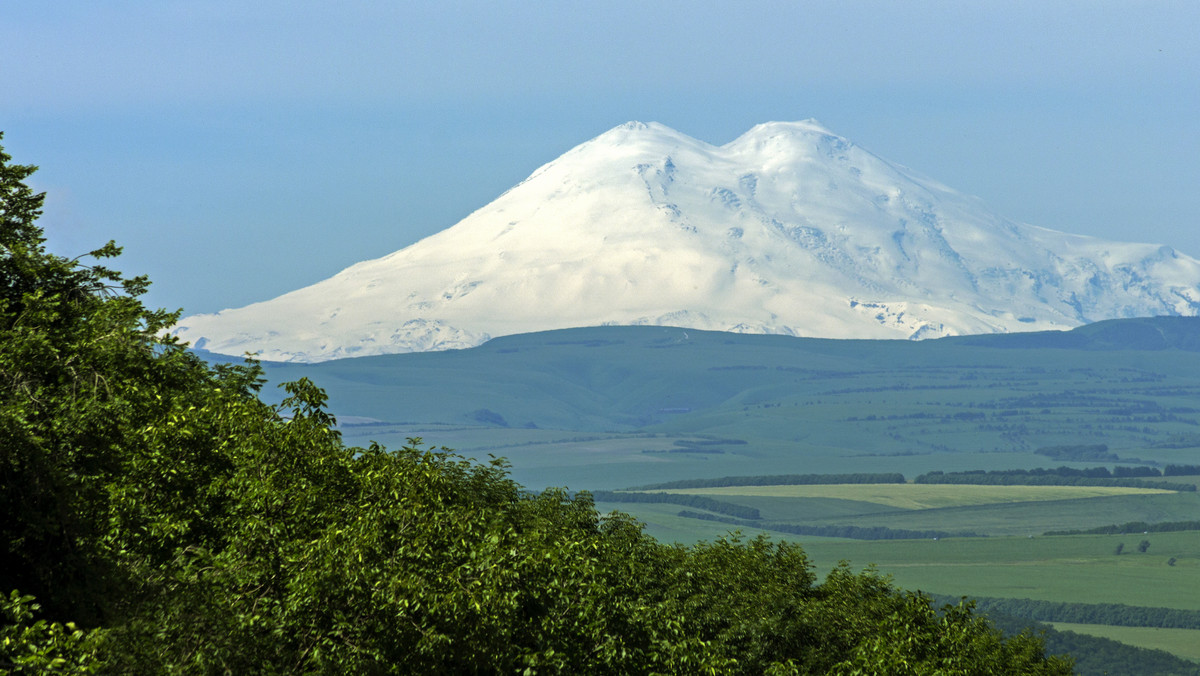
(241, 150)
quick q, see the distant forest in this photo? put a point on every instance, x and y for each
(849, 532)
(1132, 527)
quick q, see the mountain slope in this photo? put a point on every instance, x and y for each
(788, 229)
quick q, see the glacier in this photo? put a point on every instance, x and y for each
(788, 229)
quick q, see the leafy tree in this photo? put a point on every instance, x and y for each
(1143, 546)
(33, 646)
(58, 418)
(110, 431)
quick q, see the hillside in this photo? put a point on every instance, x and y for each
(833, 405)
(625, 377)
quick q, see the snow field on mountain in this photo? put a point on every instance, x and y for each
(787, 229)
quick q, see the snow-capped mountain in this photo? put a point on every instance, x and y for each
(788, 229)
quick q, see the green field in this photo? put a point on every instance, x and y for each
(1184, 643)
(1081, 568)
(924, 496)
(1072, 569)
(1029, 510)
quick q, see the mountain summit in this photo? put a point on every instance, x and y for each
(788, 229)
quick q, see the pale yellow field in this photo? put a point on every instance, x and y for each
(1183, 643)
(921, 496)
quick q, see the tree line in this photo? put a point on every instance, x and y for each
(849, 532)
(1129, 477)
(1115, 614)
(1079, 453)
(159, 517)
(1058, 476)
(777, 480)
(1132, 527)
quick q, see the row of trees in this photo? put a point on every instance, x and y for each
(1132, 527)
(1058, 476)
(698, 501)
(1100, 453)
(1041, 476)
(1079, 453)
(169, 521)
(849, 532)
(1181, 470)
(1115, 614)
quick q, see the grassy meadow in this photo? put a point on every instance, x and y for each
(1065, 568)
(1072, 569)
(1182, 642)
(925, 496)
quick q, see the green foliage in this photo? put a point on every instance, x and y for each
(409, 562)
(915, 639)
(193, 528)
(83, 372)
(38, 646)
